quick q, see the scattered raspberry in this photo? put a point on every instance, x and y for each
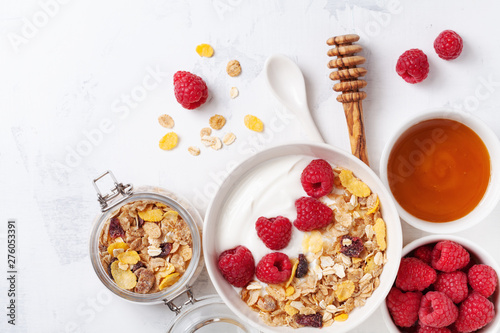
(274, 232)
(413, 66)
(414, 274)
(428, 329)
(424, 253)
(274, 268)
(317, 178)
(448, 45)
(453, 285)
(237, 266)
(403, 307)
(302, 267)
(475, 312)
(115, 228)
(312, 214)
(312, 320)
(448, 256)
(351, 246)
(190, 90)
(437, 310)
(483, 279)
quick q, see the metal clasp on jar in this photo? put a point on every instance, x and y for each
(120, 191)
(177, 308)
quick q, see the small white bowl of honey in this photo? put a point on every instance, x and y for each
(443, 170)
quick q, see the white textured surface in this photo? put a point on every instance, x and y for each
(72, 76)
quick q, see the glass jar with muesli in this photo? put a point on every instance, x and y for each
(146, 245)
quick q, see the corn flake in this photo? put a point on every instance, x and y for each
(341, 317)
(233, 68)
(294, 269)
(353, 184)
(344, 290)
(124, 279)
(169, 280)
(253, 123)
(169, 141)
(151, 215)
(205, 50)
(379, 228)
(117, 245)
(217, 121)
(129, 257)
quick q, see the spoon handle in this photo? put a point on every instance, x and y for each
(354, 117)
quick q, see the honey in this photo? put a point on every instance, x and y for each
(439, 170)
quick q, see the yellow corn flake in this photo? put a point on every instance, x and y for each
(151, 215)
(290, 310)
(169, 269)
(117, 245)
(312, 242)
(370, 265)
(205, 50)
(171, 215)
(341, 317)
(217, 121)
(344, 290)
(379, 229)
(289, 291)
(374, 208)
(169, 141)
(129, 257)
(356, 260)
(353, 184)
(169, 280)
(253, 123)
(295, 263)
(124, 279)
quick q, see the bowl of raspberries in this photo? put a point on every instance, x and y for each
(444, 284)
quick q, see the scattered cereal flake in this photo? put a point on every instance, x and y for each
(152, 229)
(295, 263)
(341, 317)
(124, 279)
(217, 122)
(233, 93)
(344, 290)
(154, 251)
(254, 285)
(228, 138)
(372, 206)
(117, 245)
(151, 215)
(379, 259)
(331, 308)
(290, 310)
(312, 242)
(253, 123)
(166, 121)
(169, 280)
(169, 141)
(205, 131)
(205, 50)
(379, 228)
(289, 291)
(370, 265)
(233, 68)
(217, 145)
(171, 216)
(297, 304)
(339, 270)
(353, 184)
(129, 257)
(208, 141)
(195, 151)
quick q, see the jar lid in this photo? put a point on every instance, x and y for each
(206, 314)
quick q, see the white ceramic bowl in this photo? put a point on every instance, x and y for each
(211, 230)
(490, 198)
(476, 252)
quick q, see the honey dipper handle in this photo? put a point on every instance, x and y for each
(354, 116)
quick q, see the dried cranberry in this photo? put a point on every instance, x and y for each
(354, 248)
(165, 250)
(140, 264)
(140, 222)
(302, 267)
(312, 320)
(115, 229)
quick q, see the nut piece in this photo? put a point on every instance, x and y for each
(228, 138)
(195, 151)
(233, 68)
(233, 93)
(217, 122)
(205, 131)
(166, 121)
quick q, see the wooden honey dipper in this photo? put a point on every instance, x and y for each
(349, 85)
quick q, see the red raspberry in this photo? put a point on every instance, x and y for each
(237, 266)
(437, 310)
(414, 274)
(448, 45)
(403, 306)
(453, 285)
(428, 329)
(317, 178)
(312, 214)
(475, 312)
(448, 256)
(274, 268)
(274, 232)
(424, 253)
(190, 90)
(483, 279)
(413, 66)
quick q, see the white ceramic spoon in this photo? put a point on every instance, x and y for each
(287, 85)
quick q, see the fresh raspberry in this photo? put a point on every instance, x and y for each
(413, 66)
(274, 268)
(428, 329)
(190, 90)
(312, 320)
(437, 310)
(475, 312)
(351, 246)
(414, 274)
(424, 253)
(275, 232)
(317, 178)
(237, 266)
(403, 306)
(453, 285)
(312, 214)
(483, 279)
(448, 256)
(448, 45)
